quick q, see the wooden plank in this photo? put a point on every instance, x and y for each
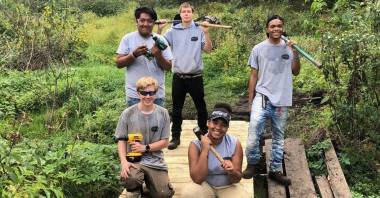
(275, 190)
(337, 180)
(324, 187)
(297, 169)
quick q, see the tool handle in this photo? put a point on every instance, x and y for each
(306, 55)
(198, 133)
(198, 23)
(214, 25)
(302, 52)
(217, 155)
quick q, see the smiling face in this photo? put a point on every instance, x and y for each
(217, 129)
(275, 29)
(186, 14)
(147, 95)
(145, 24)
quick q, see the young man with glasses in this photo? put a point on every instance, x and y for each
(187, 41)
(273, 63)
(132, 52)
(153, 123)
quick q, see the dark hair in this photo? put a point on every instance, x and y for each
(223, 106)
(271, 18)
(149, 11)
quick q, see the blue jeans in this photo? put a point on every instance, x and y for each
(157, 101)
(263, 109)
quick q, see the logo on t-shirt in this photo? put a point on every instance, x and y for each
(194, 38)
(285, 56)
(154, 129)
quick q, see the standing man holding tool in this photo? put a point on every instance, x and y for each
(215, 160)
(143, 53)
(142, 132)
(187, 41)
(270, 94)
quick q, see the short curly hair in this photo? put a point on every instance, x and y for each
(145, 82)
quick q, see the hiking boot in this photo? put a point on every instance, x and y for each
(250, 171)
(279, 177)
(173, 144)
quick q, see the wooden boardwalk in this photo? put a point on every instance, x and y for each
(177, 159)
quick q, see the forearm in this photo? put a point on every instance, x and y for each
(121, 149)
(163, 63)
(252, 88)
(208, 44)
(159, 145)
(125, 60)
(296, 66)
(234, 176)
(199, 171)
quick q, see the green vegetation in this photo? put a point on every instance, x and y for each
(61, 95)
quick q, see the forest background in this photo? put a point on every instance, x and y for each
(61, 93)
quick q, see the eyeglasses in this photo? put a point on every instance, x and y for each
(150, 93)
(148, 21)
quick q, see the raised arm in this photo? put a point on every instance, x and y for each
(198, 161)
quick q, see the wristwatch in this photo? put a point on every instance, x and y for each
(147, 148)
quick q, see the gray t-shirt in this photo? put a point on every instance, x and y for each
(274, 65)
(153, 127)
(142, 66)
(187, 44)
(217, 176)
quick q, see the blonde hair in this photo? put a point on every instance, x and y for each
(145, 82)
(186, 5)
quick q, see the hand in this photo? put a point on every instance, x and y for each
(142, 49)
(125, 169)
(290, 44)
(228, 166)
(161, 24)
(206, 143)
(204, 26)
(155, 51)
(137, 147)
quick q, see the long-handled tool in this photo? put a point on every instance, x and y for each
(198, 23)
(198, 133)
(302, 52)
(212, 21)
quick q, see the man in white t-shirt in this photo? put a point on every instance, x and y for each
(132, 52)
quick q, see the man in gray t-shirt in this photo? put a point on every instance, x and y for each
(187, 40)
(143, 160)
(270, 94)
(132, 51)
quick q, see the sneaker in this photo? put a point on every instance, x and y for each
(173, 144)
(279, 177)
(250, 171)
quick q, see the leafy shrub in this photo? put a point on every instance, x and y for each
(57, 168)
(32, 39)
(102, 7)
(351, 67)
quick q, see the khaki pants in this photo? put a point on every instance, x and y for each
(157, 182)
(204, 190)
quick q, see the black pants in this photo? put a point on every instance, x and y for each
(193, 86)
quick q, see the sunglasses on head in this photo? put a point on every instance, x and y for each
(145, 93)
